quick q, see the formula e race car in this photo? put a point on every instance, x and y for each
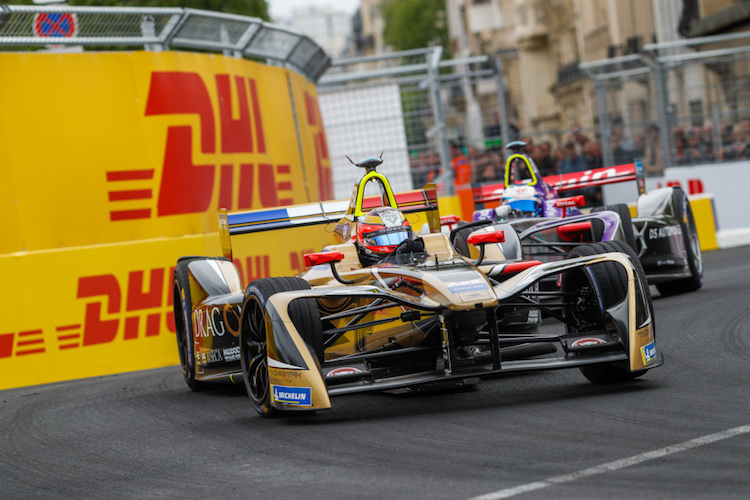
(663, 235)
(384, 308)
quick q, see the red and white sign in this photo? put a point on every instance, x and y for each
(55, 25)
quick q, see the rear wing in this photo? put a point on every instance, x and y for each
(566, 182)
(305, 225)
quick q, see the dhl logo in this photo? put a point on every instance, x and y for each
(135, 308)
(186, 187)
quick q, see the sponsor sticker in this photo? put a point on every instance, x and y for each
(298, 396)
(588, 341)
(475, 296)
(281, 373)
(344, 370)
(232, 354)
(648, 352)
(467, 286)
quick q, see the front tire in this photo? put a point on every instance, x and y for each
(253, 335)
(611, 279)
(183, 323)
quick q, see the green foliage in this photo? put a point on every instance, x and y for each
(414, 24)
(252, 8)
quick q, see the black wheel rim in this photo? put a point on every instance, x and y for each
(253, 357)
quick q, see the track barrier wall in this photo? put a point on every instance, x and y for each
(113, 166)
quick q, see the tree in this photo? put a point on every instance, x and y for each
(413, 24)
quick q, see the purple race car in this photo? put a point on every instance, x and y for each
(663, 234)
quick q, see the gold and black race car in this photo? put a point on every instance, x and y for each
(385, 307)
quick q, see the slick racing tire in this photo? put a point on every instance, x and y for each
(627, 222)
(612, 280)
(684, 213)
(460, 235)
(183, 323)
(303, 313)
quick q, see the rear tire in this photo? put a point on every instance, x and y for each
(253, 354)
(184, 324)
(611, 279)
(684, 213)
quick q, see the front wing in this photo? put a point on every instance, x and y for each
(299, 382)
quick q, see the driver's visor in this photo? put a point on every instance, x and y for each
(387, 237)
(526, 206)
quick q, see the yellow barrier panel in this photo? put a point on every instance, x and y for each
(90, 311)
(705, 221)
(109, 159)
(450, 205)
(105, 147)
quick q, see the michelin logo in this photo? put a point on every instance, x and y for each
(648, 352)
(299, 396)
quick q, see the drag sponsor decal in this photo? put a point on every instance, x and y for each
(297, 396)
(217, 321)
(588, 341)
(648, 352)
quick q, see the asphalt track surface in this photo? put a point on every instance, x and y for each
(681, 431)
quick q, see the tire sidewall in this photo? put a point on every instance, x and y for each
(183, 310)
(253, 294)
(690, 236)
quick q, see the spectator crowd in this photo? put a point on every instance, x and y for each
(579, 152)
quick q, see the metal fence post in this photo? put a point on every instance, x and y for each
(662, 103)
(433, 65)
(600, 89)
(502, 103)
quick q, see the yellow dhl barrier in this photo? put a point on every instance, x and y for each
(104, 309)
(109, 159)
(107, 147)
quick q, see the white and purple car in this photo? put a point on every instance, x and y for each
(663, 234)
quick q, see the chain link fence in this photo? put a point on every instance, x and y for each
(428, 116)
(24, 27)
(676, 104)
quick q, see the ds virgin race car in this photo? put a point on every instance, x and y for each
(384, 308)
(663, 234)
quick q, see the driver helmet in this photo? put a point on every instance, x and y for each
(381, 230)
(525, 207)
(523, 201)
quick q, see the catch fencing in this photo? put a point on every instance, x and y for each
(25, 26)
(675, 104)
(419, 110)
(684, 103)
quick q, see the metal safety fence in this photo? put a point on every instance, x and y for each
(25, 27)
(424, 113)
(676, 104)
